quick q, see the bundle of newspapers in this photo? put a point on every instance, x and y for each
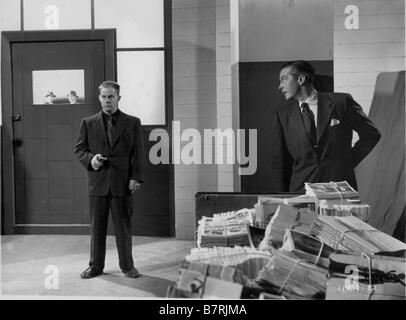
(360, 210)
(266, 207)
(293, 277)
(286, 217)
(307, 248)
(226, 229)
(248, 260)
(202, 280)
(331, 190)
(360, 277)
(352, 234)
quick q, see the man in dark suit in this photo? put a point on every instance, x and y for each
(110, 147)
(313, 133)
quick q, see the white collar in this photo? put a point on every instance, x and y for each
(312, 99)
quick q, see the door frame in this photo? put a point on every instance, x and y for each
(108, 36)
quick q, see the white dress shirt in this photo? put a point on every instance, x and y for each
(312, 102)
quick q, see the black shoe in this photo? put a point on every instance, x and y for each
(132, 273)
(91, 272)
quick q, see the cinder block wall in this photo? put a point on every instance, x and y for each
(377, 46)
(223, 89)
(195, 103)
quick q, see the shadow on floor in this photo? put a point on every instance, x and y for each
(154, 285)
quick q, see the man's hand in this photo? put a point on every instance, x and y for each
(134, 186)
(97, 161)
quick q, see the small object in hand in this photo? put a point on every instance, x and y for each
(101, 159)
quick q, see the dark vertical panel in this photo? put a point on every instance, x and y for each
(19, 153)
(259, 98)
(169, 107)
(7, 136)
(36, 198)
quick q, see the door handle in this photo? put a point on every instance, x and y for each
(17, 143)
(16, 117)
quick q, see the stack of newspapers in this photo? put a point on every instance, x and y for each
(352, 234)
(331, 191)
(250, 261)
(360, 277)
(307, 248)
(266, 207)
(226, 229)
(294, 277)
(286, 217)
(201, 280)
(360, 210)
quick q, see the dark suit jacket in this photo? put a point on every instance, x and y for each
(295, 161)
(125, 158)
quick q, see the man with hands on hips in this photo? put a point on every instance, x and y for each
(110, 147)
(312, 138)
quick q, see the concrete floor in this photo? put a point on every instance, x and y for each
(25, 259)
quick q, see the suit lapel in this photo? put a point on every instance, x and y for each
(325, 108)
(120, 126)
(101, 127)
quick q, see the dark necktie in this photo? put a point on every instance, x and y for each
(110, 130)
(309, 123)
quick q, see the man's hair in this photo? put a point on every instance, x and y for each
(302, 67)
(110, 84)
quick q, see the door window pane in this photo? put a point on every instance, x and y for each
(139, 23)
(141, 77)
(57, 14)
(58, 86)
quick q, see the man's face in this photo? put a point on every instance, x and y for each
(289, 83)
(109, 99)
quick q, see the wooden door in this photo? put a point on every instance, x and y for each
(45, 186)
(50, 184)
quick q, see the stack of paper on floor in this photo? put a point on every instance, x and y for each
(352, 234)
(307, 248)
(267, 206)
(211, 281)
(226, 229)
(286, 217)
(360, 210)
(295, 278)
(248, 260)
(357, 276)
(331, 190)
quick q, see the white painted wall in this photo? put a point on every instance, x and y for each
(195, 102)
(377, 46)
(223, 86)
(281, 30)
